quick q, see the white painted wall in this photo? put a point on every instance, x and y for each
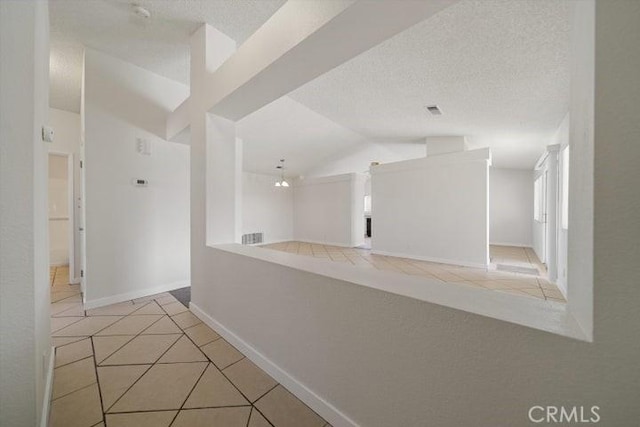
(329, 210)
(59, 223)
(434, 208)
(67, 140)
(358, 158)
(266, 208)
(137, 238)
(25, 344)
(395, 361)
(510, 207)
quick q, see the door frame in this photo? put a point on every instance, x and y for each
(70, 211)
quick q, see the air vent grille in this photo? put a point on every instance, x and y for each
(252, 238)
(434, 110)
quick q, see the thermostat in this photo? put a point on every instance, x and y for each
(47, 133)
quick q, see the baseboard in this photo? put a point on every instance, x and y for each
(517, 245)
(75, 281)
(432, 259)
(48, 389)
(330, 413)
(101, 302)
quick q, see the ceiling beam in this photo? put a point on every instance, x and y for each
(300, 42)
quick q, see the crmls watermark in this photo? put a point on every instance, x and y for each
(562, 414)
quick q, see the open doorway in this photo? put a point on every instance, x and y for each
(61, 218)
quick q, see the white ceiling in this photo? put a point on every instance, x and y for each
(159, 44)
(287, 129)
(498, 69)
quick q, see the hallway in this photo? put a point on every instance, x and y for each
(150, 362)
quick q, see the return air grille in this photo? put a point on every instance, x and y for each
(252, 238)
(434, 110)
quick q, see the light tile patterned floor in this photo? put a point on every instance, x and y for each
(151, 363)
(527, 285)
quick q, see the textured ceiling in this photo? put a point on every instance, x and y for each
(159, 44)
(288, 129)
(499, 70)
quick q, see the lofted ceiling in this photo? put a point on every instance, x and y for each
(286, 128)
(158, 44)
(498, 69)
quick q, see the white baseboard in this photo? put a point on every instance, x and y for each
(48, 389)
(114, 299)
(327, 411)
(517, 245)
(432, 259)
(75, 281)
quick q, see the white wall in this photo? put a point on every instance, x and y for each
(510, 206)
(358, 158)
(25, 344)
(435, 208)
(329, 210)
(67, 140)
(394, 361)
(266, 208)
(137, 238)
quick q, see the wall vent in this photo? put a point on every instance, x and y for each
(252, 238)
(434, 110)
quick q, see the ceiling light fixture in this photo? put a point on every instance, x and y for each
(282, 182)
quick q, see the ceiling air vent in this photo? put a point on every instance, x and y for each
(434, 110)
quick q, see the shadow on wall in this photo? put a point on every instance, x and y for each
(127, 95)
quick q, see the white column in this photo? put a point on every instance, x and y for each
(216, 157)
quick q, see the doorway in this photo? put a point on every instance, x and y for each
(61, 218)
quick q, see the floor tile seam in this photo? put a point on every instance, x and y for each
(222, 370)
(153, 363)
(66, 326)
(106, 410)
(78, 360)
(72, 391)
(95, 367)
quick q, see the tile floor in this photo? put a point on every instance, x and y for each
(151, 363)
(528, 285)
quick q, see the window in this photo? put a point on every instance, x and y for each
(564, 208)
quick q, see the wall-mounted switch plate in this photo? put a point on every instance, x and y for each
(47, 133)
(143, 146)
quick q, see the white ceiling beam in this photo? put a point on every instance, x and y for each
(301, 41)
(178, 120)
